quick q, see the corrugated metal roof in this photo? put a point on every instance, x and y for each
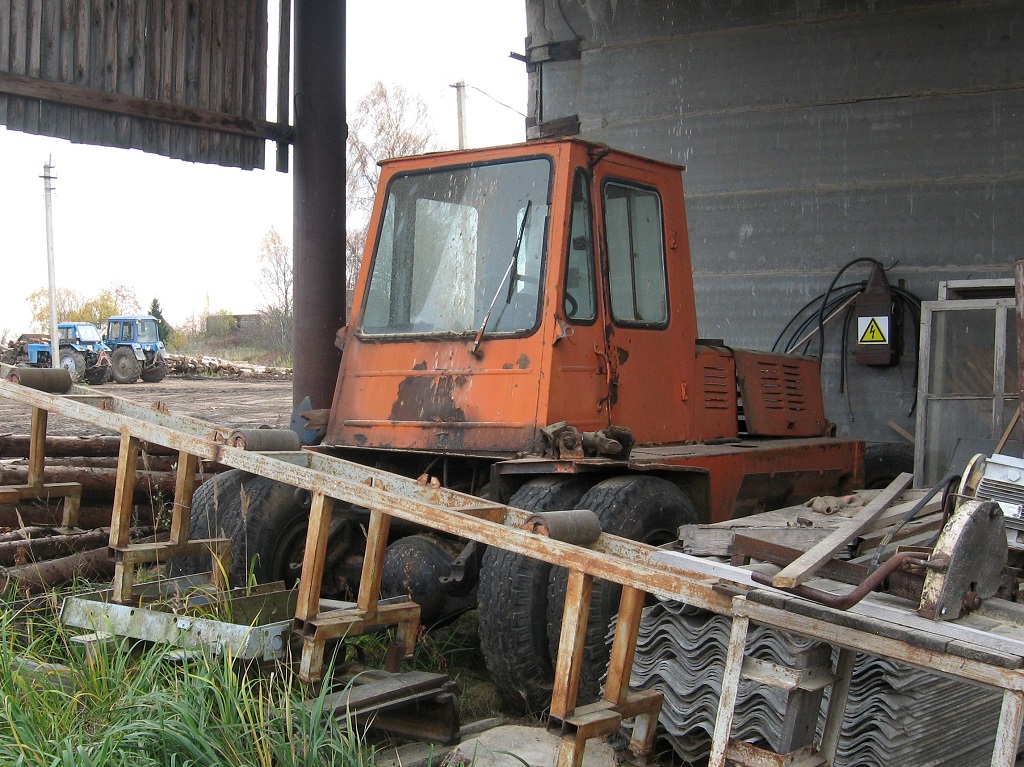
(188, 61)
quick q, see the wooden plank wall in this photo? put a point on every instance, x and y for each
(208, 54)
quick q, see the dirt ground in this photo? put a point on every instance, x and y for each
(234, 402)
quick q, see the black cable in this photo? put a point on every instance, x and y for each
(942, 483)
(804, 308)
(821, 314)
(849, 290)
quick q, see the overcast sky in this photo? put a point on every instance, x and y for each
(189, 234)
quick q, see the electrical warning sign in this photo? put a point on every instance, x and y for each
(873, 330)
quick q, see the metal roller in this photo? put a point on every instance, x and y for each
(265, 440)
(52, 380)
(579, 526)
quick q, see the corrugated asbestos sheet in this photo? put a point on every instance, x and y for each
(210, 56)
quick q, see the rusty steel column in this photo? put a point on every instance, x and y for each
(318, 194)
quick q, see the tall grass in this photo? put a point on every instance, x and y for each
(132, 705)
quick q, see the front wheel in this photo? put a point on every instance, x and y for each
(73, 362)
(124, 366)
(157, 372)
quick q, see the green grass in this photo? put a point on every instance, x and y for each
(131, 705)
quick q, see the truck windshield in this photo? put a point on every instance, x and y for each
(148, 334)
(87, 333)
(447, 247)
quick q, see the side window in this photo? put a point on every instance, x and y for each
(636, 255)
(114, 331)
(580, 301)
(126, 331)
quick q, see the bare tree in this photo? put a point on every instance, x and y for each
(275, 284)
(388, 122)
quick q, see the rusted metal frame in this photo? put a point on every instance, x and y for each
(730, 689)
(745, 754)
(849, 599)
(864, 641)
(614, 559)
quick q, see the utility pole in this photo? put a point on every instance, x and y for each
(48, 187)
(460, 103)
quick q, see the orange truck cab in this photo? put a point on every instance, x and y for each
(514, 300)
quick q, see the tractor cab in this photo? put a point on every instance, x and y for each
(504, 290)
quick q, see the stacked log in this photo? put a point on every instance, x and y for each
(184, 364)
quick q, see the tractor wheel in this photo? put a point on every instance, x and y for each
(74, 363)
(512, 600)
(266, 523)
(124, 366)
(157, 373)
(641, 508)
(261, 518)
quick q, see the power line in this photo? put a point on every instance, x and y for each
(501, 103)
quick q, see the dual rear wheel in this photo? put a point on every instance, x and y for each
(521, 599)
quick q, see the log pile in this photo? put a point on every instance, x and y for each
(35, 553)
(185, 364)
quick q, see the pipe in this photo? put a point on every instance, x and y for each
(318, 199)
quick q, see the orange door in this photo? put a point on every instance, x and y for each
(650, 330)
(579, 387)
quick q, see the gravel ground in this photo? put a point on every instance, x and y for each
(233, 402)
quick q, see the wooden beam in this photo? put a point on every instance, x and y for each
(146, 109)
(803, 568)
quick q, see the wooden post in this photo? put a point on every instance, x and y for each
(373, 562)
(308, 606)
(184, 487)
(121, 519)
(37, 447)
(571, 644)
(730, 689)
(627, 628)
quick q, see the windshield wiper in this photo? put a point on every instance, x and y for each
(512, 265)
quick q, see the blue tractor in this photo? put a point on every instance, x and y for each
(82, 352)
(138, 351)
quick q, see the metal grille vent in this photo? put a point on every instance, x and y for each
(782, 386)
(719, 387)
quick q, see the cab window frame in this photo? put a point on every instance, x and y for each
(591, 252)
(635, 186)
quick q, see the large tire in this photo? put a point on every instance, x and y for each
(157, 373)
(884, 461)
(261, 518)
(73, 362)
(512, 601)
(124, 366)
(641, 508)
